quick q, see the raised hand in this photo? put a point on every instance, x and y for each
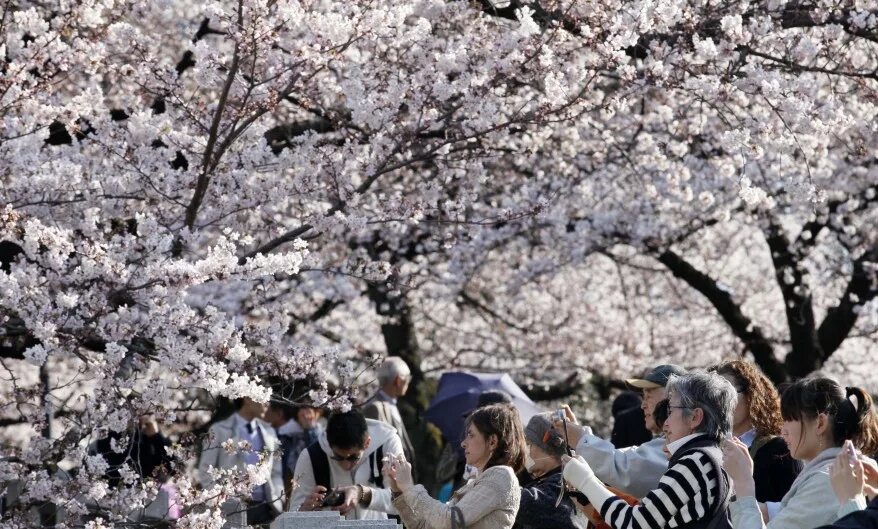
(847, 475)
(314, 499)
(573, 432)
(739, 466)
(403, 474)
(389, 470)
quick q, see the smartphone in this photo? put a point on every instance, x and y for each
(333, 499)
(852, 453)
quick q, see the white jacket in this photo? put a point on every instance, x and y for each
(382, 435)
(213, 455)
(634, 469)
(809, 503)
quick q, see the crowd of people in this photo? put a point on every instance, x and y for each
(718, 448)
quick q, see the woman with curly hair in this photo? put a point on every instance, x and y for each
(757, 422)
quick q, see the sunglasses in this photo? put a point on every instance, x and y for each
(353, 458)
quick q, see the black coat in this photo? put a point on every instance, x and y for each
(537, 508)
(147, 455)
(865, 519)
(774, 469)
(629, 429)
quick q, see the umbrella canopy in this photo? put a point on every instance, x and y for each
(459, 393)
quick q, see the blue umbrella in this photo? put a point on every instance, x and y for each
(458, 394)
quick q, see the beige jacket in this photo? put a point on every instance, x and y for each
(489, 501)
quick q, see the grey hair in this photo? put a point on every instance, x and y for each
(391, 368)
(714, 394)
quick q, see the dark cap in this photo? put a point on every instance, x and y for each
(657, 377)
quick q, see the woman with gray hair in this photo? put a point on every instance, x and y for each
(694, 492)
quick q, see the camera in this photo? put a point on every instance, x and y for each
(559, 415)
(333, 499)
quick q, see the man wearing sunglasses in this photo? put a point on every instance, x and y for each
(342, 469)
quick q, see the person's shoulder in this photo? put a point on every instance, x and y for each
(775, 445)
(267, 427)
(699, 456)
(380, 429)
(499, 474)
(223, 424)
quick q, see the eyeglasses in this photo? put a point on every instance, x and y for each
(353, 458)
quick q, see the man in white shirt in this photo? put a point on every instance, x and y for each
(265, 501)
(347, 461)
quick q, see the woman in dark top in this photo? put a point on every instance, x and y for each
(541, 483)
(757, 423)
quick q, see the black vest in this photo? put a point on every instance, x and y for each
(320, 466)
(718, 517)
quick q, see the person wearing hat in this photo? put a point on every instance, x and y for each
(542, 482)
(635, 470)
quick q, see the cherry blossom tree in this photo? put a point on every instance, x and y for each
(178, 176)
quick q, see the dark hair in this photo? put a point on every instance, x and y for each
(501, 420)
(288, 411)
(764, 398)
(660, 413)
(625, 401)
(809, 397)
(347, 430)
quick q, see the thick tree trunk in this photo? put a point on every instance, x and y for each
(730, 311)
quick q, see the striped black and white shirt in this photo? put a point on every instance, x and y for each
(685, 494)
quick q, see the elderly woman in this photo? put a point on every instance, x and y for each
(542, 484)
(494, 445)
(694, 491)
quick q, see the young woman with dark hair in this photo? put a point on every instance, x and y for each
(494, 444)
(757, 423)
(819, 416)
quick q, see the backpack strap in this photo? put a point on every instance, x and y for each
(319, 464)
(376, 459)
(457, 521)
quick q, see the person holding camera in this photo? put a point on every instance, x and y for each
(494, 445)
(694, 491)
(342, 470)
(635, 469)
(539, 507)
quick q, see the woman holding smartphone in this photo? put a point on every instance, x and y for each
(819, 417)
(494, 444)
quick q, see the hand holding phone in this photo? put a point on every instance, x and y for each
(852, 453)
(333, 499)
